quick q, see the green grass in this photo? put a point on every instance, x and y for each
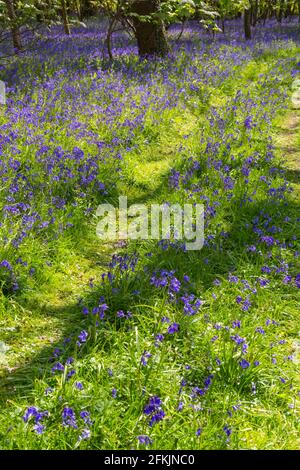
(36, 320)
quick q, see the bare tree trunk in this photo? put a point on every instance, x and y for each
(150, 35)
(247, 24)
(15, 33)
(65, 19)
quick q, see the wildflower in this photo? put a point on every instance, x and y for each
(154, 403)
(260, 330)
(165, 320)
(86, 434)
(6, 264)
(82, 337)
(246, 304)
(146, 355)
(174, 328)
(58, 367)
(269, 241)
(39, 428)
(154, 409)
(159, 339)
(86, 417)
(233, 279)
(237, 339)
(122, 314)
(227, 430)
(102, 310)
(266, 269)
(248, 123)
(263, 282)
(69, 417)
(244, 364)
(175, 285)
(31, 411)
(180, 406)
(198, 432)
(287, 279)
(208, 381)
(236, 407)
(71, 373)
(156, 417)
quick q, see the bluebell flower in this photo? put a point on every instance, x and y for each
(39, 428)
(174, 328)
(244, 364)
(58, 367)
(69, 417)
(145, 440)
(82, 337)
(227, 430)
(86, 434)
(86, 417)
(146, 355)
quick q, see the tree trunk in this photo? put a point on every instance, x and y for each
(255, 13)
(150, 35)
(15, 33)
(65, 19)
(223, 25)
(247, 24)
